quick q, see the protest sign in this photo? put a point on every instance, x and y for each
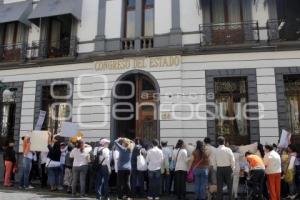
(69, 129)
(39, 141)
(40, 120)
(284, 139)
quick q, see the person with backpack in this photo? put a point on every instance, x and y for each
(102, 161)
(180, 158)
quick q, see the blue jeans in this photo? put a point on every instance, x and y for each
(154, 183)
(166, 183)
(61, 175)
(137, 182)
(102, 182)
(26, 168)
(79, 172)
(53, 176)
(201, 181)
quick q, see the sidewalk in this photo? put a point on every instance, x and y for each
(38, 194)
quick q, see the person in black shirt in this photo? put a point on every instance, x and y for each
(53, 163)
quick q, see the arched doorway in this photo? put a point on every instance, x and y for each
(135, 106)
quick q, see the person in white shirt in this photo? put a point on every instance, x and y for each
(81, 156)
(224, 163)
(103, 171)
(180, 158)
(154, 159)
(272, 161)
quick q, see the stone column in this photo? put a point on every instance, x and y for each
(100, 37)
(138, 23)
(175, 32)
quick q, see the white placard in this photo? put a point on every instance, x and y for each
(284, 139)
(69, 129)
(40, 120)
(39, 141)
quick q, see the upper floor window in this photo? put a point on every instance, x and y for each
(148, 18)
(226, 11)
(130, 12)
(57, 109)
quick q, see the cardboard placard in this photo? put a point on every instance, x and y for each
(39, 141)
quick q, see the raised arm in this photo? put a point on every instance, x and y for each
(120, 147)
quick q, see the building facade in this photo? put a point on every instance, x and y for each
(164, 69)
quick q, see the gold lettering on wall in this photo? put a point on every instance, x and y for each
(138, 63)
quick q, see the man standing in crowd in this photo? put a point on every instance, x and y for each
(167, 152)
(154, 159)
(27, 163)
(272, 162)
(224, 163)
(103, 159)
(257, 173)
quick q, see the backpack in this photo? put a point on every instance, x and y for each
(96, 163)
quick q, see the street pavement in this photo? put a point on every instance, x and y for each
(39, 194)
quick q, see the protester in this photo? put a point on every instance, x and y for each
(81, 157)
(53, 162)
(257, 173)
(200, 165)
(290, 171)
(68, 169)
(297, 174)
(63, 149)
(103, 171)
(10, 163)
(236, 171)
(124, 147)
(180, 158)
(272, 162)
(154, 159)
(113, 181)
(224, 163)
(166, 175)
(210, 150)
(26, 164)
(137, 177)
(44, 176)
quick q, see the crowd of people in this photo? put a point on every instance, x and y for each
(134, 169)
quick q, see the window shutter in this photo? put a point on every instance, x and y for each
(206, 29)
(247, 18)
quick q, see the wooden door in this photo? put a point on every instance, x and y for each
(146, 109)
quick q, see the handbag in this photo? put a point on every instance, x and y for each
(190, 176)
(141, 163)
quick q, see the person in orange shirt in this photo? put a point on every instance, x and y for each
(27, 164)
(257, 173)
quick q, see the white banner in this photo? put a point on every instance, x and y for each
(40, 121)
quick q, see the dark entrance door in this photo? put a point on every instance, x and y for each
(136, 108)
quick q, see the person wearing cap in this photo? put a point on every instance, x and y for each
(26, 164)
(103, 171)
